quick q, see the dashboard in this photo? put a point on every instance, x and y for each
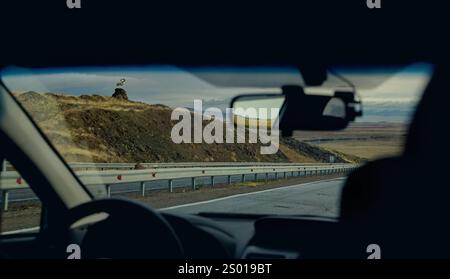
(235, 236)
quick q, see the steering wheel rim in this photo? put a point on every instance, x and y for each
(154, 238)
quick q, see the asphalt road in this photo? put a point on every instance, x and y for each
(319, 198)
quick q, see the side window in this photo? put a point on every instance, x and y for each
(20, 209)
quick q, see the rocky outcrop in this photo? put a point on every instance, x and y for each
(120, 94)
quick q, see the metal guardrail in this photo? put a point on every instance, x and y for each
(11, 180)
(130, 166)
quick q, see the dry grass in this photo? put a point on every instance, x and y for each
(294, 156)
(369, 149)
(366, 140)
(356, 131)
(96, 101)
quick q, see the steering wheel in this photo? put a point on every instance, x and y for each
(131, 230)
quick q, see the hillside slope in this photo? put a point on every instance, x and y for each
(103, 129)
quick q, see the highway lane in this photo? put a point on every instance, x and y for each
(120, 189)
(315, 198)
(320, 198)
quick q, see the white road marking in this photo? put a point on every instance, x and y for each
(29, 230)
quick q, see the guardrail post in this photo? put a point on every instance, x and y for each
(212, 181)
(108, 190)
(267, 177)
(170, 183)
(5, 195)
(143, 188)
(243, 178)
(229, 179)
(276, 175)
(193, 183)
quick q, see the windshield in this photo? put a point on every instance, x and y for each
(149, 133)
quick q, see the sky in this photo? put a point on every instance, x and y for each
(388, 95)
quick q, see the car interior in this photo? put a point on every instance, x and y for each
(399, 203)
(374, 207)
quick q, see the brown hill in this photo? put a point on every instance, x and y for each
(105, 129)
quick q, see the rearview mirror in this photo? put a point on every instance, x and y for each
(295, 110)
(257, 109)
